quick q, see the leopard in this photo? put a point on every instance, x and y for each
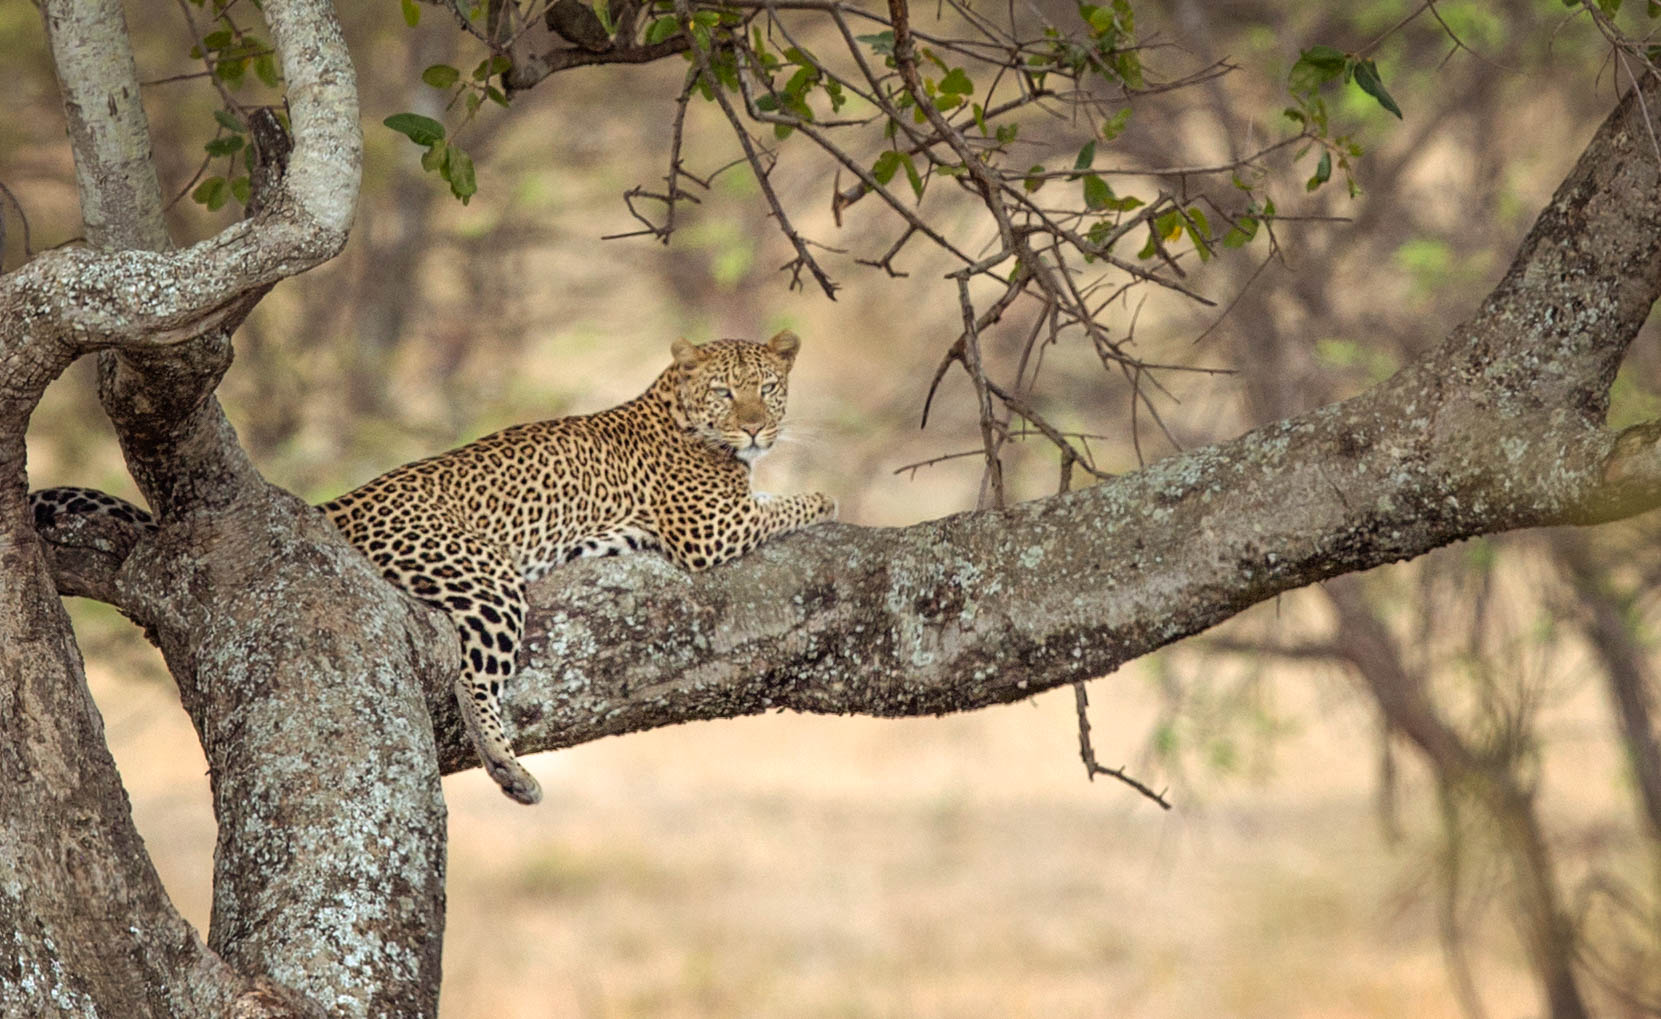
(465, 531)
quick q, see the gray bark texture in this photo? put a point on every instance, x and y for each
(317, 689)
(330, 865)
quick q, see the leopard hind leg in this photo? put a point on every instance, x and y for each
(484, 597)
(490, 630)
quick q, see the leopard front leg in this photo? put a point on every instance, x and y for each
(739, 525)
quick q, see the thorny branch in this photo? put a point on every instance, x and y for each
(1087, 753)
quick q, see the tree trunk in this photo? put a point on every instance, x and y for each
(328, 891)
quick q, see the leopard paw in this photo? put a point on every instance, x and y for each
(517, 783)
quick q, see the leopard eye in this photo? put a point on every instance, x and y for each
(721, 391)
(768, 388)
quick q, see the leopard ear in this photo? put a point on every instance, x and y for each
(785, 344)
(685, 353)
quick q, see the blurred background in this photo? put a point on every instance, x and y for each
(1317, 862)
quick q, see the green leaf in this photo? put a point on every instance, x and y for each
(1366, 76)
(1315, 67)
(1097, 193)
(441, 76)
(1323, 172)
(886, 166)
(265, 66)
(1086, 156)
(458, 170)
(799, 82)
(1610, 7)
(1151, 247)
(1129, 68)
(240, 189)
(420, 130)
(218, 40)
(432, 160)
(1200, 244)
(956, 82)
(1100, 19)
(660, 30)
(1327, 58)
(1035, 178)
(228, 121)
(491, 65)
(882, 42)
(412, 13)
(496, 96)
(911, 175)
(602, 10)
(224, 146)
(1114, 126)
(212, 193)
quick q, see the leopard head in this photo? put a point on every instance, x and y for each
(732, 392)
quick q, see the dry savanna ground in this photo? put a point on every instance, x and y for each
(800, 866)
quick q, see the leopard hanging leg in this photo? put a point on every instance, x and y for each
(490, 629)
(485, 599)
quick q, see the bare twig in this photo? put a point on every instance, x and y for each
(1087, 753)
(804, 258)
(971, 362)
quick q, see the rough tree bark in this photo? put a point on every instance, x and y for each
(306, 677)
(324, 903)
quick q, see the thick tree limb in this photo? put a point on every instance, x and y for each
(1500, 427)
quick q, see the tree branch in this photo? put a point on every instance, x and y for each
(1498, 428)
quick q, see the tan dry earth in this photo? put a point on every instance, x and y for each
(799, 866)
